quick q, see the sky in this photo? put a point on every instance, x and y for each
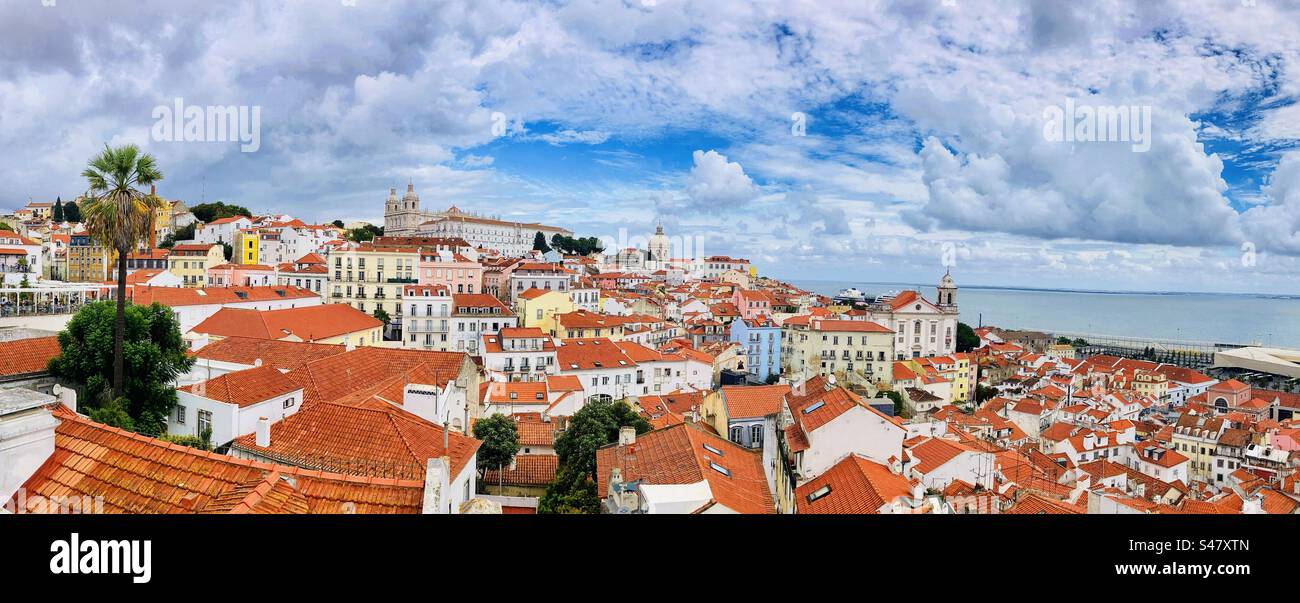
(862, 140)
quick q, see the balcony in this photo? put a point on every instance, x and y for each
(405, 281)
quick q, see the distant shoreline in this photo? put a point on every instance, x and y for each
(801, 282)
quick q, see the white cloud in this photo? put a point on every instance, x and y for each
(715, 184)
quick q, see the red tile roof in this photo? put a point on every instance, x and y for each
(284, 355)
(854, 485)
(368, 369)
(375, 440)
(1037, 504)
(591, 353)
(138, 474)
(244, 388)
(27, 356)
(185, 296)
(677, 455)
(308, 323)
(527, 470)
(848, 326)
(755, 401)
(935, 452)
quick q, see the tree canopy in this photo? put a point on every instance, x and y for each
(595, 425)
(500, 437)
(539, 243)
(365, 233)
(967, 340)
(57, 214)
(154, 356)
(71, 212)
(576, 246)
(207, 212)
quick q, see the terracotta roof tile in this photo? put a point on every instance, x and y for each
(854, 485)
(244, 388)
(27, 356)
(138, 474)
(748, 402)
(527, 470)
(284, 355)
(677, 455)
(375, 440)
(307, 323)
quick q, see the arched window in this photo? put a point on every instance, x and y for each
(735, 434)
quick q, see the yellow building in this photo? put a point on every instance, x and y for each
(581, 323)
(246, 246)
(955, 368)
(1151, 383)
(823, 346)
(370, 277)
(539, 307)
(191, 262)
(87, 262)
(162, 223)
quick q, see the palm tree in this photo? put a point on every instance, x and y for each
(120, 217)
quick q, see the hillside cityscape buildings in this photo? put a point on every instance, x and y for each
(347, 376)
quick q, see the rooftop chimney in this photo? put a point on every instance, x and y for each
(263, 432)
(626, 436)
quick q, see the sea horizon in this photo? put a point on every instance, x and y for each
(1054, 289)
(1189, 316)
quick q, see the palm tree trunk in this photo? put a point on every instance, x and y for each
(119, 326)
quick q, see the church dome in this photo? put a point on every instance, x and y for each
(392, 194)
(410, 193)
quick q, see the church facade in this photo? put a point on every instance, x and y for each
(403, 217)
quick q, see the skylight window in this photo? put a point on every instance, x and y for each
(720, 469)
(713, 450)
(821, 492)
(816, 405)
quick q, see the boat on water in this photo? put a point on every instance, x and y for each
(851, 295)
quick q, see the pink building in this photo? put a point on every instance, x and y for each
(752, 304)
(241, 275)
(453, 270)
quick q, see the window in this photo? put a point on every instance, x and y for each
(205, 421)
(289, 402)
(180, 415)
(821, 492)
(755, 436)
(735, 434)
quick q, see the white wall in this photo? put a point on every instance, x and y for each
(858, 431)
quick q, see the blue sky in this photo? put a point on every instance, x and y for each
(924, 125)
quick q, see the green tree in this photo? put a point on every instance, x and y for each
(382, 315)
(228, 250)
(154, 355)
(967, 340)
(120, 217)
(365, 233)
(1063, 340)
(984, 393)
(576, 246)
(595, 425)
(338, 223)
(71, 212)
(184, 233)
(500, 437)
(114, 414)
(1080, 342)
(57, 214)
(894, 396)
(207, 212)
(539, 243)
